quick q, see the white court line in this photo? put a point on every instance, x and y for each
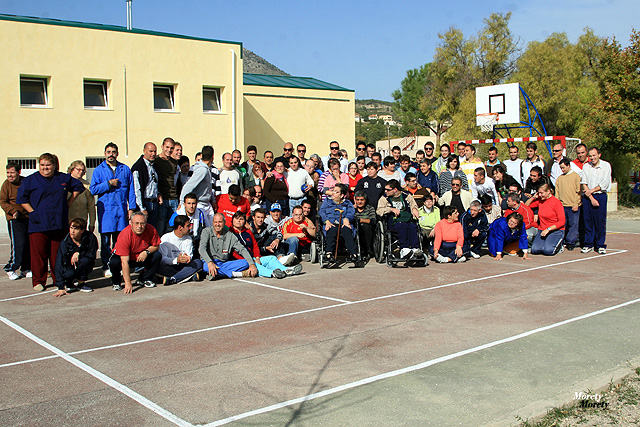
(280, 316)
(100, 376)
(293, 290)
(27, 296)
(620, 232)
(408, 369)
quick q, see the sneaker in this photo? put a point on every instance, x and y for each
(168, 281)
(26, 273)
(405, 253)
(570, 247)
(287, 259)
(417, 254)
(278, 274)
(462, 259)
(211, 277)
(246, 273)
(38, 288)
(117, 287)
(189, 278)
(13, 275)
(85, 288)
(293, 271)
(70, 288)
(146, 283)
(475, 255)
(602, 251)
(586, 250)
(328, 258)
(107, 273)
(442, 260)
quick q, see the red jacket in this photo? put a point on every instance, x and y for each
(228, 209)
(527, 215)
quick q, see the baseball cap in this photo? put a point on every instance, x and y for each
(276, 207)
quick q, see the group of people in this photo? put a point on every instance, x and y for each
(172, 221)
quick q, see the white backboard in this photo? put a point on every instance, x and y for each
(501, 99)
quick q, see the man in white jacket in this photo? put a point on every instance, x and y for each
(176, 248)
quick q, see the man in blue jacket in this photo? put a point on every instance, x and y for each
(338, 212)
(112, 182)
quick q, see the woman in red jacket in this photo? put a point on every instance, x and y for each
(551, 222)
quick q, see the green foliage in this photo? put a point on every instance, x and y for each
(373, 131)
(615, 115)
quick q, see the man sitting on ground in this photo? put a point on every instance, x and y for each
(137, 246)
(176, 248)
(268, 266)
(338, 213)
(297, 233)
(267, 237)
(481, 185)
(475, 228)
(403, 208)
(492, 211)
(196, 216)
(216, 249)
(274, 222)
(76, 258)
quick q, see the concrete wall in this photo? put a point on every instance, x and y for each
(275, 115)
(67, 55)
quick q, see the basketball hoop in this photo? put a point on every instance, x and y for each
(488, 121)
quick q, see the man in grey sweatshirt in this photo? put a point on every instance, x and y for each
(217, 247)
(200, 184)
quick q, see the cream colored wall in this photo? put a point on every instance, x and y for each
(68, 55)
(309, 116)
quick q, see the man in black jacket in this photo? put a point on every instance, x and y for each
(76, 258)
(145, 183)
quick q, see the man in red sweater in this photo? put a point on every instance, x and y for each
(515, 205)
(232, 202)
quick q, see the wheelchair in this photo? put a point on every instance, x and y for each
(386, 246)
(317, 249)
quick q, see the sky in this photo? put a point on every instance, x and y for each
(364, 46)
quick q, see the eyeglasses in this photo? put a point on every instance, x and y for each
(335, 148)
(455, 185)
(388, 189)
(288, 149)
(81, 170)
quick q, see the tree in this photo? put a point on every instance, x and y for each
(496, 50)
(615, 115)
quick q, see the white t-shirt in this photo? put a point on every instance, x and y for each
(171, 246)
(227, 179)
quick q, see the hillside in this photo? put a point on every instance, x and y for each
(256, 64)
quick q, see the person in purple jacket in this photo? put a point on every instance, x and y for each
(45, 195)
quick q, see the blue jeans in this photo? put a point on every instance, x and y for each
(106, 240)
(571, 227)
(549, 245)
(165, 210)
(152, 207)
(292, 243)
(180, 271)
(295, 202)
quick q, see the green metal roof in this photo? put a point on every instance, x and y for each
(290, 82)
(49, 21)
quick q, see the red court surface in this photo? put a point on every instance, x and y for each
(261, 351)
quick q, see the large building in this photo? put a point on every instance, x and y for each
(69, 88)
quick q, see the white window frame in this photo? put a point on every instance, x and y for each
(172, 97)
(218, 96)
(45, 88)
(104, 84)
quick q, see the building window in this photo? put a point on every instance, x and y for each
(33, 92)
(210, 99)
(163, 98)
(30, 164)
(93, 162)
(95, 94)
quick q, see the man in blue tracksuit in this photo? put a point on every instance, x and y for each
(476, 227)
(112, 182)
(332, 210)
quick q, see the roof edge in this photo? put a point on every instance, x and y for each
(335, 88)
(103, 27)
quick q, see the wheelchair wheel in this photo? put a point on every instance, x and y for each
(314, 252)
(379, 242)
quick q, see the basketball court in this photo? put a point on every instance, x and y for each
(442, 345)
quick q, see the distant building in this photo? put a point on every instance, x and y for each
(358, 118)
(372, 117)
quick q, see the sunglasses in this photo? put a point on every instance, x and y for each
(302, 151)
(335, 148)
(360, 149)
(557, 151)
(388, 189)
(455, 185)
(288, 149)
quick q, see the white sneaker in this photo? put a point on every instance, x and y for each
(405, 252)
(26, 273)
(475, 255)
(602, 251)
(13, 275)
(441, 259)
(586, 250)
(462, 259)
(107, 273)
(294, 271)
(287, 259)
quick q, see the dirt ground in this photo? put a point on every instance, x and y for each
(629, 214)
